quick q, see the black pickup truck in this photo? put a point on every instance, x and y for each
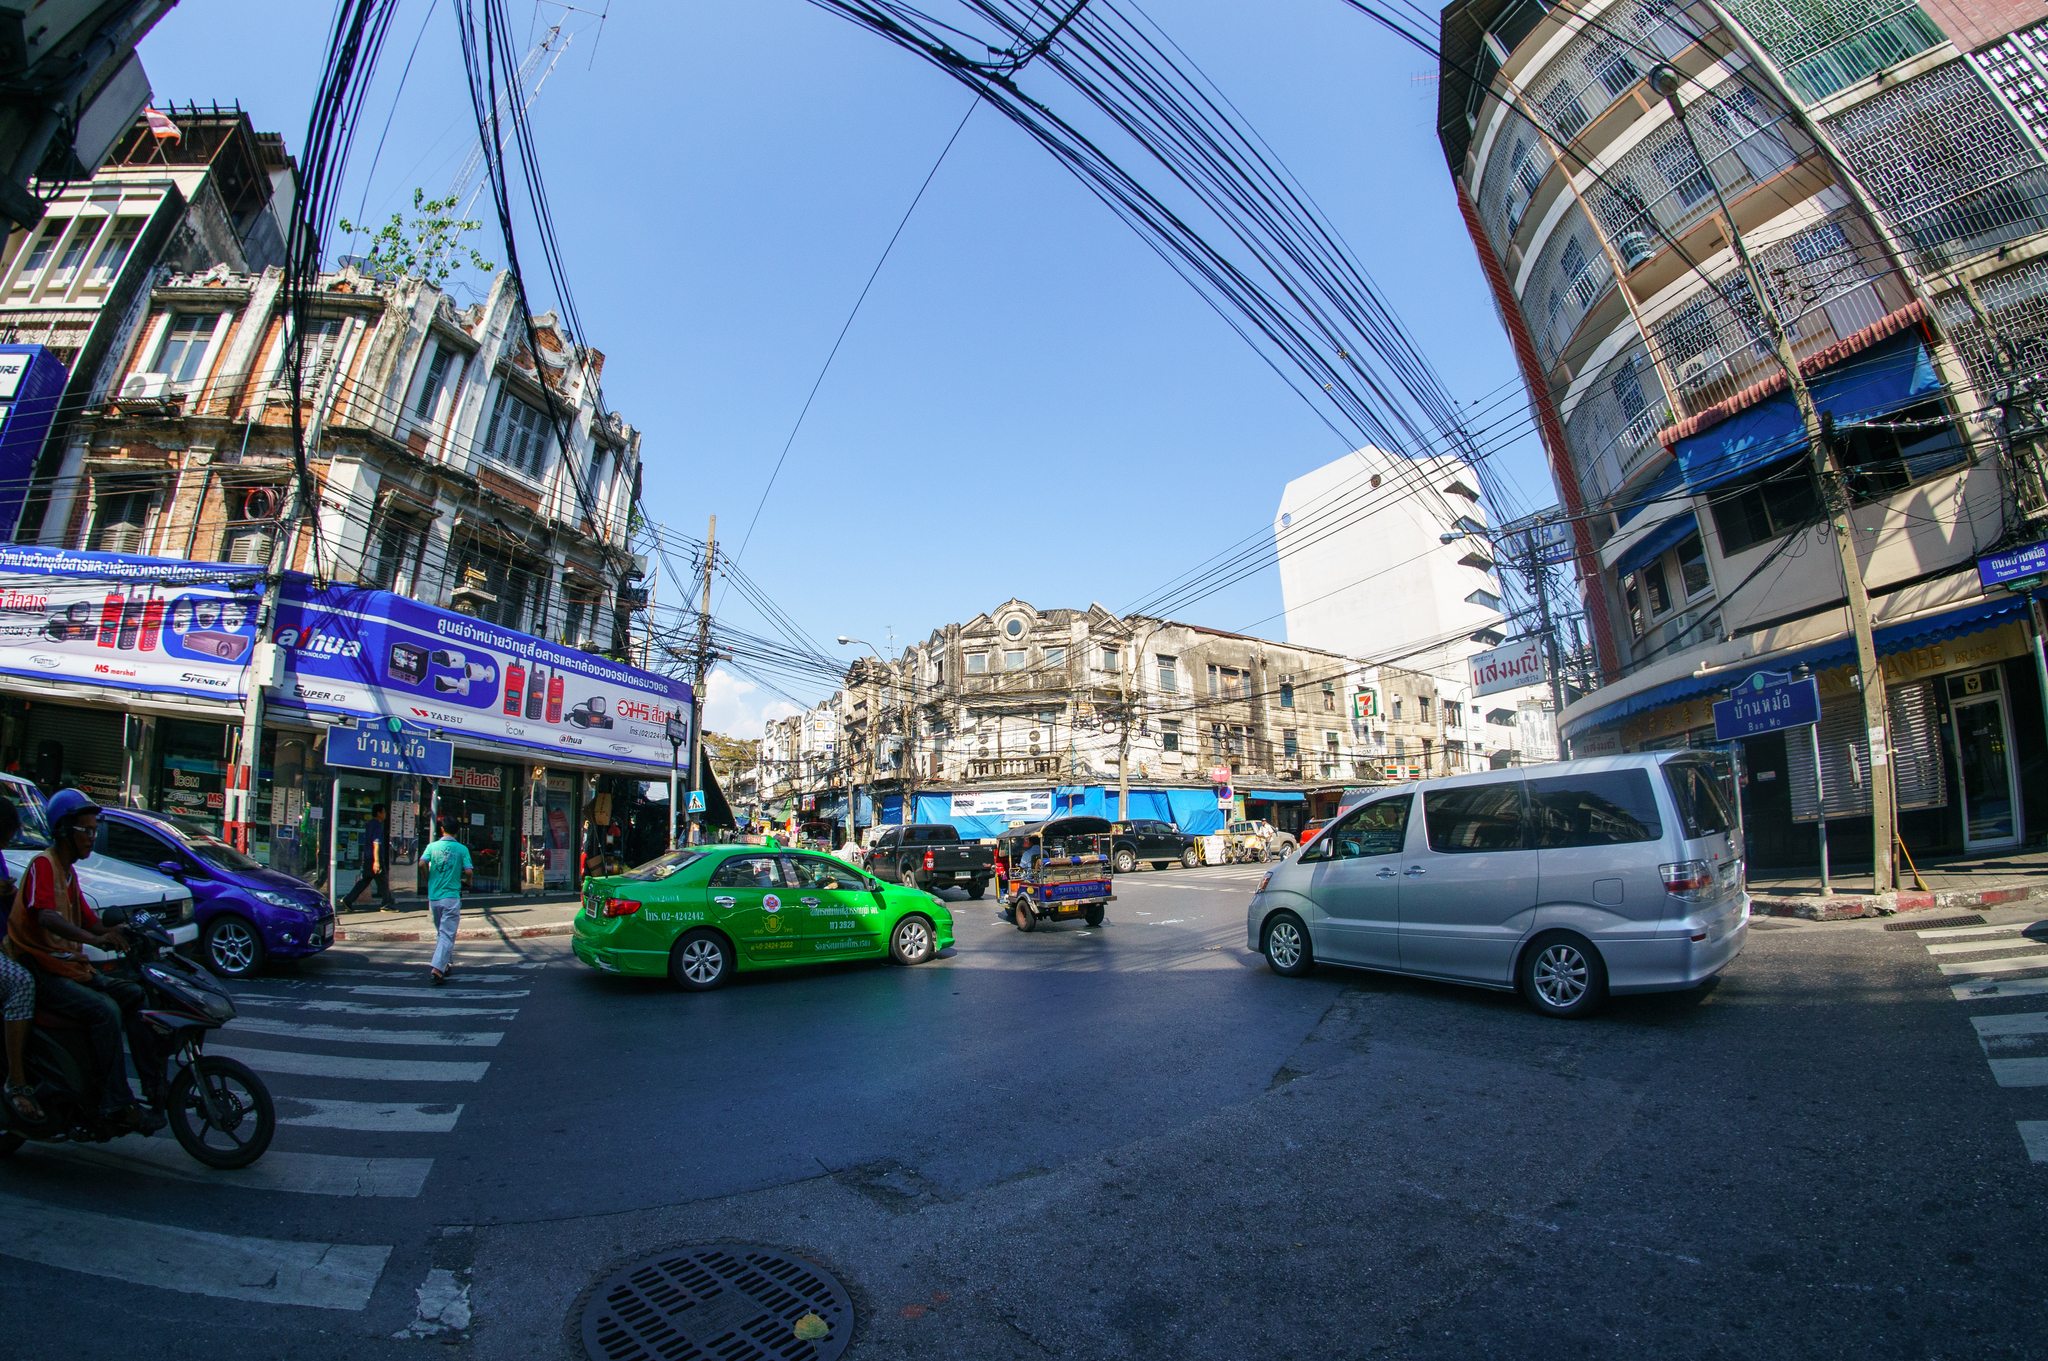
(1159, 843)
(931, 856)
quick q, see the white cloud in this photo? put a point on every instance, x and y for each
(738, 707)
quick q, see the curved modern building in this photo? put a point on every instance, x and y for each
(1883, 162)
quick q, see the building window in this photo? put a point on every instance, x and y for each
(1112, 660)
(1454, 714)
(1330, 744)
(1775, 502)
(1169, 672)
(392, 555)
(1056, 658)
(74, 256)
(512, 590)
(252, 525)
(1290, 743)
(1397, 708)
(114, 253)
(1692, 567)
(1286, 695)
(1014, 659)
(430, 391)
(517, 435)
(977, 663)
(184, 348)
(939, 671)
(1422, 707)
(118, 520)
(45, 246)
(1226, 682)
(1015, 628)
(1656, 589)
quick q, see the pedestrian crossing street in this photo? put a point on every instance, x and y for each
(357, 1048)
(1990, 964)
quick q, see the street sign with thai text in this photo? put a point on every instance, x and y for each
(401, 753)
(2013, 565)
(1769, 701)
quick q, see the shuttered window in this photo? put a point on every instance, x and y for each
(118, 520)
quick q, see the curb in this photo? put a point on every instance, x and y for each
(1847, 906)
(520, 933)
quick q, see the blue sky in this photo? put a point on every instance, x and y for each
(1030, 403)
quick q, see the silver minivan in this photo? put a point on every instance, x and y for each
(1567, 882)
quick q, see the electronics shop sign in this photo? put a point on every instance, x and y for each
(157, 626)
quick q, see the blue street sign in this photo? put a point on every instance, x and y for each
(401, 753)
(696, 801)
(2014, 564)
(1769, 701)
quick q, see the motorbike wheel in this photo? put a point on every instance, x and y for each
(1259, 854)
(248, 1118)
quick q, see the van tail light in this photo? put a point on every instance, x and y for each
(620, 907)
(928, 860)
(1688, 879)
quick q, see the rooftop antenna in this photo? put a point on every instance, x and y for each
(552, 45)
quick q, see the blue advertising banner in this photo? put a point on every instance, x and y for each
(2014, 564)
(1769, 701)
(394, 753)
(161, 626)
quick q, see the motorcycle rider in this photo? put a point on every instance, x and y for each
(49, 916)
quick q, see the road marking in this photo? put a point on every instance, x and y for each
(391, 1117)
(312, 1174)
(2038, 960)
(333, 1065)
(2020, 1072)
(457, 994)
(2034, 1134)
(1977, 989)
(268, 1270)
(1951, 932)
(324, 972)
(2018, 1023)
(1959, 947)
(370, 1009)
(358, 1034)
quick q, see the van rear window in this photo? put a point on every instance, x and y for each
(1702, 808)
(1598, 808)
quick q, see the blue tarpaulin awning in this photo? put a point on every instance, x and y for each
(1273, 795)
(1891, 374)
(1653, 544)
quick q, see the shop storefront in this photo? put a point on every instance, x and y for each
(480, 801)
(1965, 734)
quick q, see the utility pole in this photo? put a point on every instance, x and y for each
(1541, 577)
(264, 659)
(1665, 80)
(703, 673)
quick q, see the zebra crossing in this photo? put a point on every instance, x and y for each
(358, 1049)
(1989, 964)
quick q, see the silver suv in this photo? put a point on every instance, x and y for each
(1567, 882)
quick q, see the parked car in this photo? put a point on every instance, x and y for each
(700, 913)
(1158, 843)
(931, 856)
(245, 912)
(1257, 839)
(106, 883)
(1567, 882)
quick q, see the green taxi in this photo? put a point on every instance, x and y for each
(700, 913)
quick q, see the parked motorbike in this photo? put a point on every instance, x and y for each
(219, 1110)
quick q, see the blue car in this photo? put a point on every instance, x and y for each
(246, 913)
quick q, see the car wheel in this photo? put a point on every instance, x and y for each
(1287, 947)
(912, 942)
(700, 961)
(1562, 975)
(1021, 913)
(234, 948)
(1126, 862)
(1094, 916)
(1190, 857)
(977, 888)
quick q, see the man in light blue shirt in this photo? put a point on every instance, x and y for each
(448, 873)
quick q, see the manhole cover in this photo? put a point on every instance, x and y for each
(732, 1302)
(1908, 924)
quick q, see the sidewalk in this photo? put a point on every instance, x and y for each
(495, 916)
(1957, 884)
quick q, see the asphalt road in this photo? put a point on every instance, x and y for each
(1128, 1142)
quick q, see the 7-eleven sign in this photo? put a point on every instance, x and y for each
(1365, 704)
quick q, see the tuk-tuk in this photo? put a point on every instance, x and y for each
(1053, 870)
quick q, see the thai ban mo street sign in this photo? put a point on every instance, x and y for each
(1769, 701)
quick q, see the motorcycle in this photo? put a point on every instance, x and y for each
(218, 1109)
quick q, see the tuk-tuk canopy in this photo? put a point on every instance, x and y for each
(1079, 825)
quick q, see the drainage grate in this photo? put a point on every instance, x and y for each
(1915, 925)
(730, 1301)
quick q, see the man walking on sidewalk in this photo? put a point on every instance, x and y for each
(448, 873)
(376, 863)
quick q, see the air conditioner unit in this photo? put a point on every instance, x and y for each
(1697, 367)
(146, 385)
